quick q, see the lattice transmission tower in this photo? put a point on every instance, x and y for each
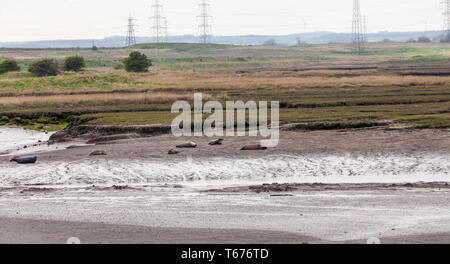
(158, 22)
(131, 37)
(357, 28)
(205, 20)
(365, 29)
(446, 14)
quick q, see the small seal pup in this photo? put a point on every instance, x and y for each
(98, 153)
(187, 145)
(216, 142)
(173, 152)
(254, 147)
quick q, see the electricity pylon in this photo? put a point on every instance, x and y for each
(446, 14)
(205, 28)
(131, 37)
(357, 28)
(158, 22)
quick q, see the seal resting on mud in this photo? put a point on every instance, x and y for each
(216, 142)
(187, 145)
(98, 153)
(173, 152)
(26, 160)
(254, 147)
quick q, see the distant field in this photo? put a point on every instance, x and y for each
(201, 56)
(406, 83)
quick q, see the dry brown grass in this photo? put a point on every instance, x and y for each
(150, 97)
(162, 86)
(224, 81)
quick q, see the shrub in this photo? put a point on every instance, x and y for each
(9, 66)
(74, 63)
(44, 67)
(137, 62)
(94, 48)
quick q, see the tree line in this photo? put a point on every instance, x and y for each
(136, 62)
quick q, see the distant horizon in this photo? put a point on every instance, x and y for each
(230, 36)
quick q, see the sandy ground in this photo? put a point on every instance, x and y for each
(170, 214)
(17, 231)
(20, 231)
(66, 195)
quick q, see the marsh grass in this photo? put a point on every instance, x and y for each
(322, 84)
(96, 99)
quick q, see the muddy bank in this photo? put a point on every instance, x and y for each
(317, 187)
(27, 231)
(339, 157)
(24, 231)
(97, 134)
(334, 125)
(353, 143)
(274, 189)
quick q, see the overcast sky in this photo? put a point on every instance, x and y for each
(24, 20)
